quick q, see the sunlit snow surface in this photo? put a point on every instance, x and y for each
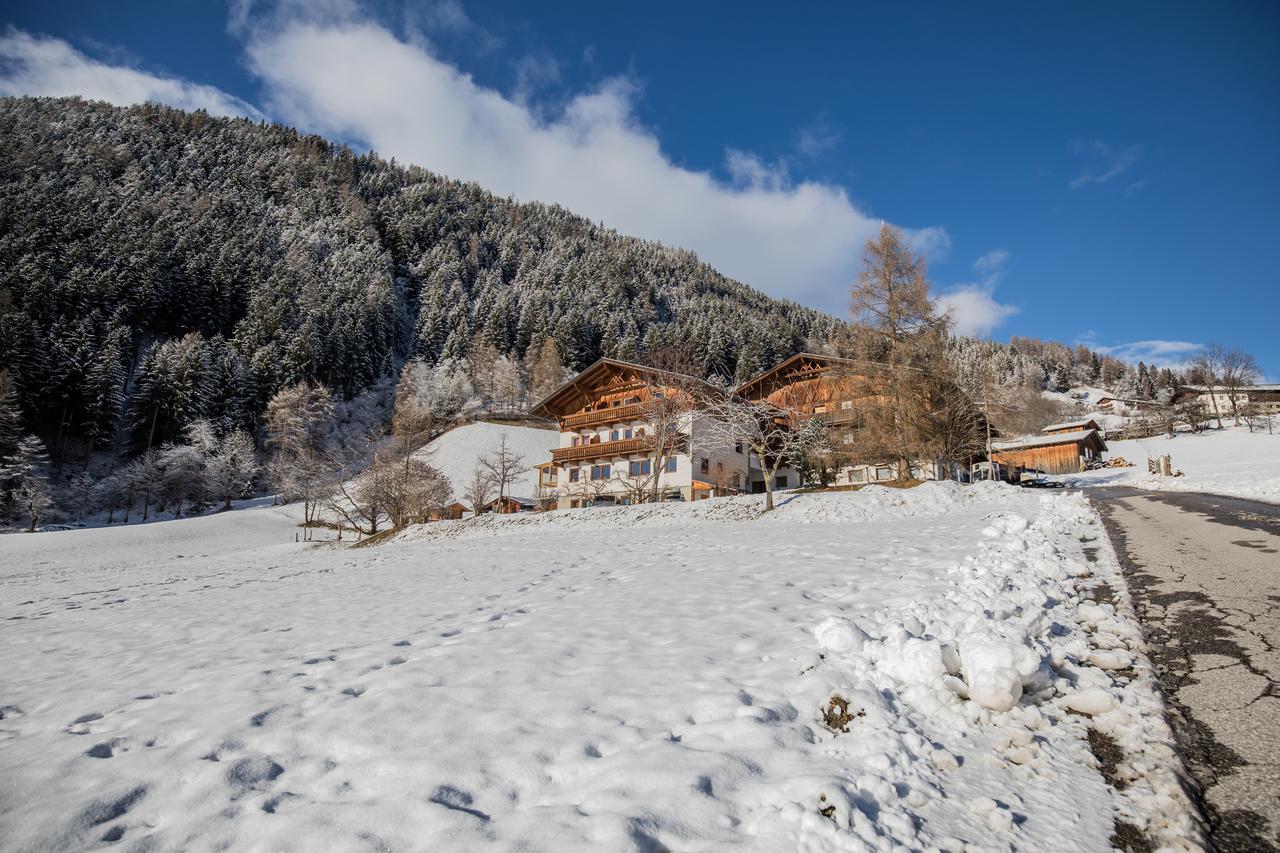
(637, 678)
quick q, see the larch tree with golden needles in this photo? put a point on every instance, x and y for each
(910, 408)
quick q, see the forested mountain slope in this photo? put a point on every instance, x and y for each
(158, 265)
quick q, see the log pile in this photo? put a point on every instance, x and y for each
(1115, 462)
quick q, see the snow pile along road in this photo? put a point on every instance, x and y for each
(853, 672)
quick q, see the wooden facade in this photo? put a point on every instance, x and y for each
(610, 417)
(452, 512)
(1059, 453)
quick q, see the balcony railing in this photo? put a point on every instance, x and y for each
(603, 450)
(615, 415)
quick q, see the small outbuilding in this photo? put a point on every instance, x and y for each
(449, 512)
(509, 505)
(1065, 452)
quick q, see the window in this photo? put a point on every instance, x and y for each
(846, 404)
(595, 439)
(576, 441)
(671, 465)
(884, 472)
(613, 435)
(782, 483)
(858, 475)
(631, 400)
(616, 403)
(575, 503)
(599, 472)
(705, 465)
(736, 482)
(626, 433)
(737, 448)
(640, 467)
(573, 475)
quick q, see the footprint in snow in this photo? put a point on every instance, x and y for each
(452, 632)
(355, 692)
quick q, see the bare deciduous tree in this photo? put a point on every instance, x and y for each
(298, 422)
(503, 465)
(479, 489)
(772, 435)
(1239, 370)
(1207, 368)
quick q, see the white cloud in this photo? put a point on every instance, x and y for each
(992, 262)
(973, 306)
(1109, 162)
(38, 65)
(1162, 353)
(817, 139)
(357, 80)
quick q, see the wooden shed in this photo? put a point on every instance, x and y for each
(1059, 453)
(452, 512)
(509, 505)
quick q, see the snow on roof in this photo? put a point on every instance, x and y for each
(1044, 440)
(1065, 424)
(1243, 388)
(457, 451)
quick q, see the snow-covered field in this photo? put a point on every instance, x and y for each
(456, 452)
(1231, 461)
(877, 670)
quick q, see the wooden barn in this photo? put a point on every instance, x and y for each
(1059, 453)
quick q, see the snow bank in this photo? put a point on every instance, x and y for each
(871, 503)
(457, 451)
(1006, 670)
(876, 670)
(1231, 461)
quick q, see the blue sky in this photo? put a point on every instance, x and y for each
(1105, 173)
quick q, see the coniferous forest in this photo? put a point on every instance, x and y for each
(159, 266)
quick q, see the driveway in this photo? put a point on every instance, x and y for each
(1204, 572)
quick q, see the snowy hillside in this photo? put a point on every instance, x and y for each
(1231, 461)
(457, 451)
(877, 670)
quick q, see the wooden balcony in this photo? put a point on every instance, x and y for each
(614, 415)
(603, 450)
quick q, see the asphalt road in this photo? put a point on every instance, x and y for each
(1204, 573)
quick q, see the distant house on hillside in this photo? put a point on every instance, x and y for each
(829, 387)
(1264, 399)
(1071, 426)
(1064, 451)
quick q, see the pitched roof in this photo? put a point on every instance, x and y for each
(1066, 424)
(1028, 441)
(574, 385)
(782, 366)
